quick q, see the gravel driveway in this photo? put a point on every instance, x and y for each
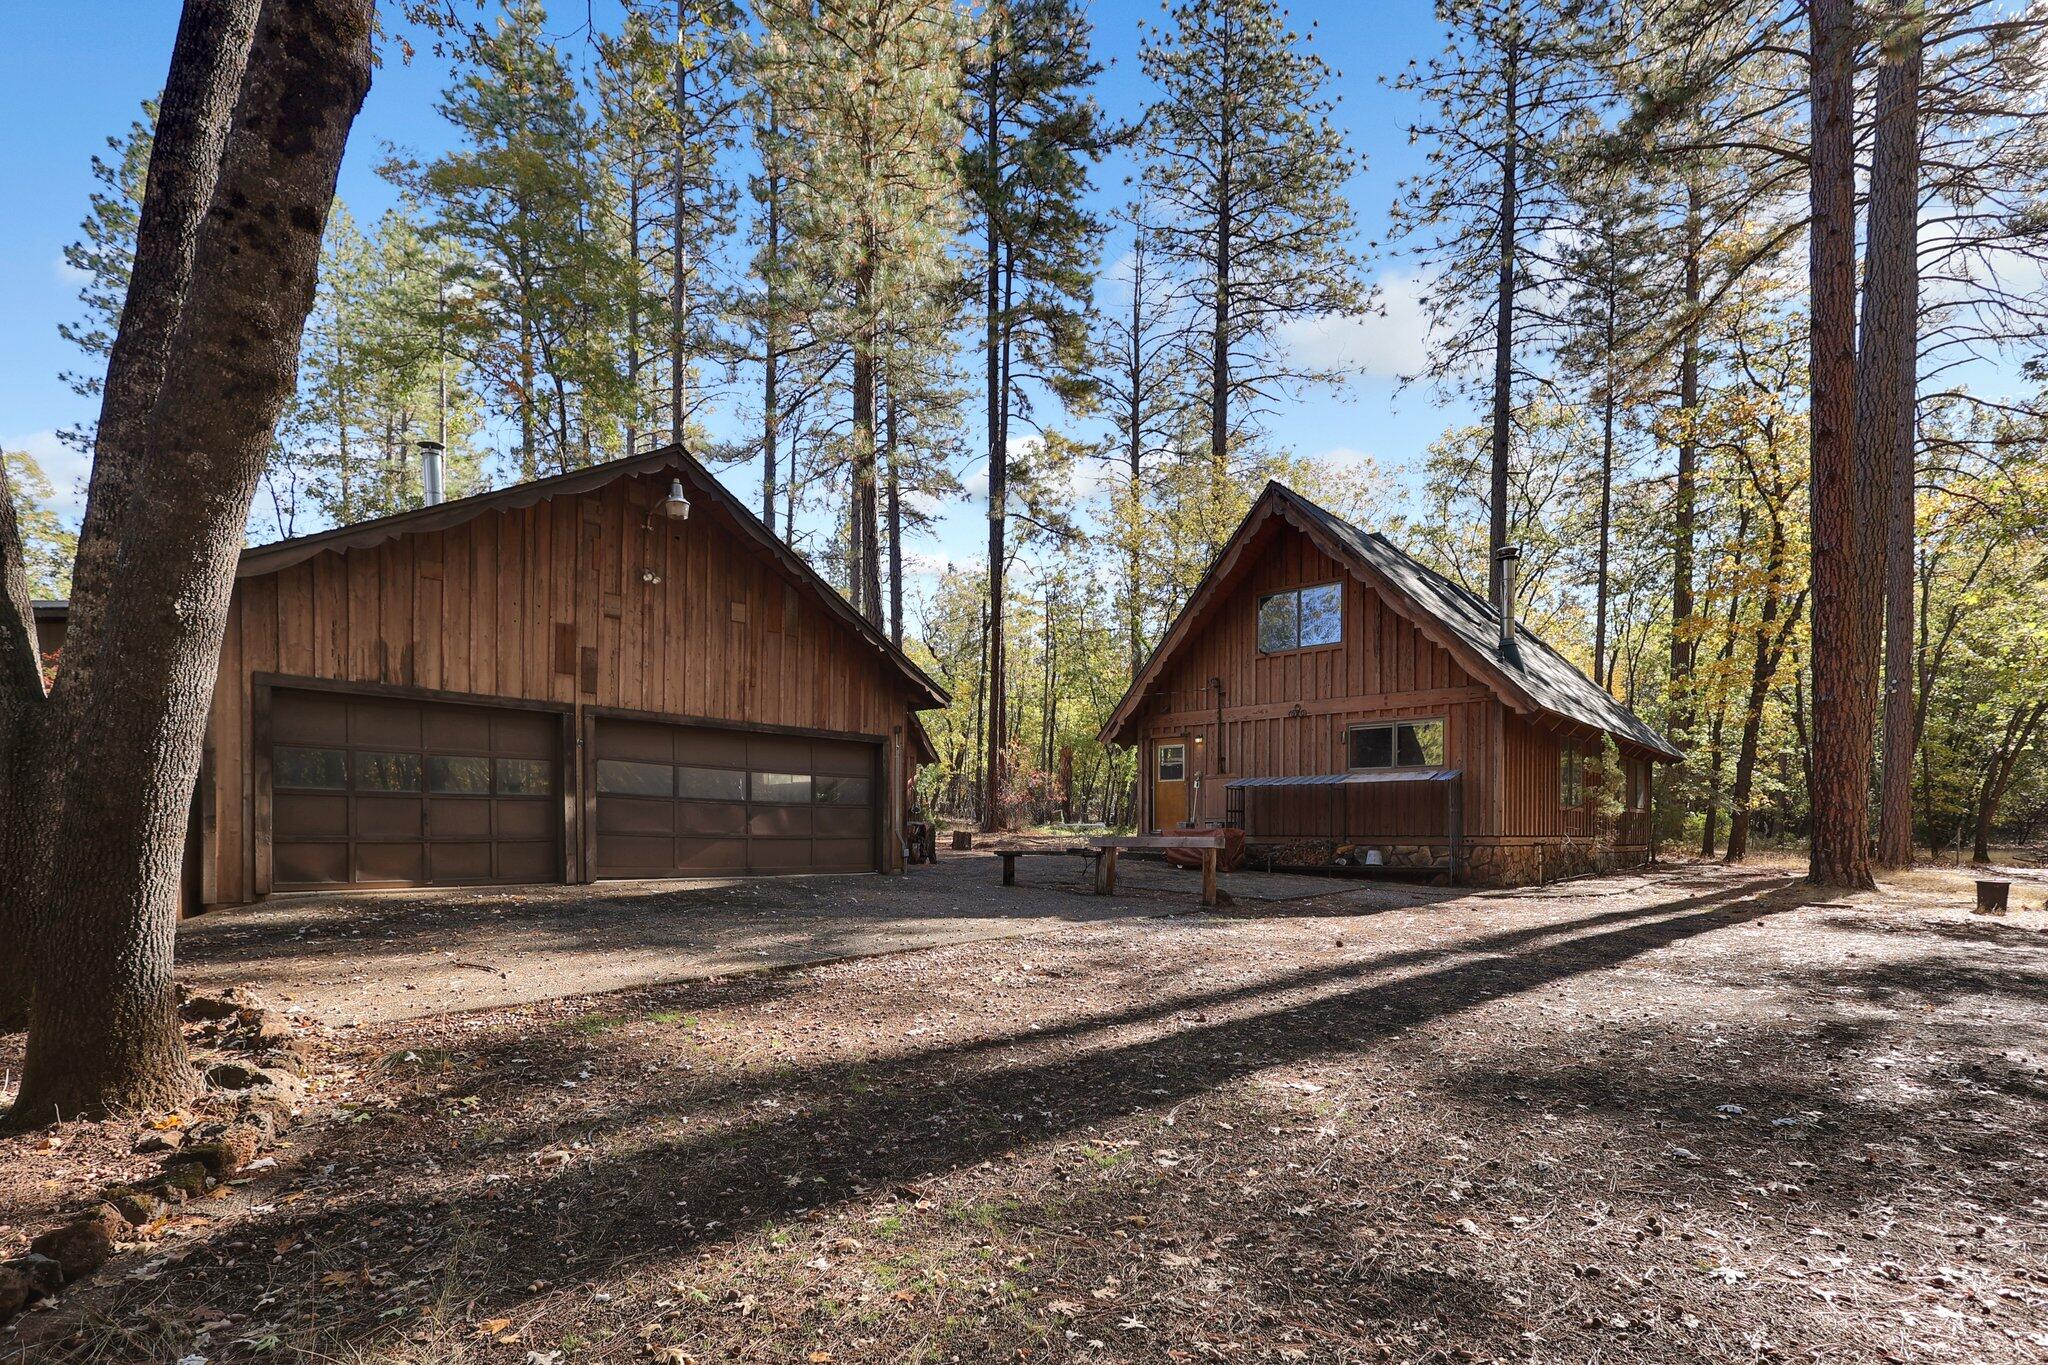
(372, 957)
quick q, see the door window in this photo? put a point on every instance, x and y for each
(1173, 762)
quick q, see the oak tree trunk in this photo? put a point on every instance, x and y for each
(103, 1030)
(22, 792)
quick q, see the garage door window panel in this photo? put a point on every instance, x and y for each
(624, 777)
(782, 788)
(458, 775)
(524, 777)
(298, 769)
(711, 784)
(841, 791)
(376, 772)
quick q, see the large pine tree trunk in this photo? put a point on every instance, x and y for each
(1844, 607)
(1885, 425)
(103, 1029)
(997, 402)
(1504, 322)
(895, 523)
(771, 329)
(1682, 712)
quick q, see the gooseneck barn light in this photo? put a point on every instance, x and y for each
(676, 506)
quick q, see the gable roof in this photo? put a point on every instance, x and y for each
(705, 491)
(1528, 675)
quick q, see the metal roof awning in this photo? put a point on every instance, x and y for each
(1349, 779)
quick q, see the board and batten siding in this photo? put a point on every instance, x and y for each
(579, 602)
(1287, 713)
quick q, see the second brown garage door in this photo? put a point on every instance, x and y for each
(678, 800)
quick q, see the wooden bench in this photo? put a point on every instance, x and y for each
(1011, 853)
(1210, 846)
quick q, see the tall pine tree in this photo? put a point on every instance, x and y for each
(1036, 130)
(1247, 171)
(867, 93)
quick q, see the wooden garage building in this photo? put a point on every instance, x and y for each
(613, 673)
(1342, 703)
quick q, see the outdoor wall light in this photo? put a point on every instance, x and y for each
(676, 506)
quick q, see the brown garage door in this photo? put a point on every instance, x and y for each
(372, 791)
(677, 800)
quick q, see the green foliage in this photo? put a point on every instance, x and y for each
(1245, 171)
(520, 201)
(47, 545)
(104, 254)
(375, 379)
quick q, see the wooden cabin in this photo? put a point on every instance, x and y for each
(1346, 706)
(613, 673)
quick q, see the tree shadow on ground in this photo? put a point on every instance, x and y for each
(661, 1189)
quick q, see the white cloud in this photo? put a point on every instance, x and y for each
(1388, 344)
(66, 469)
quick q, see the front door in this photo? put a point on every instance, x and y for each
(1169, 785)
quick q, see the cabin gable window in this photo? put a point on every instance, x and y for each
(1301, 618)
(1395, 744)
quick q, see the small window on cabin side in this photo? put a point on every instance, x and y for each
(1173, 762)
(1571, 777)
(1397, 744)
(1640, 774)
(1301, 618)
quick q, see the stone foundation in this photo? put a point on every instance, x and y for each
(1529, 864)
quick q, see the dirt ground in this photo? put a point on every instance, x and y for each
(385, 956)
(1689, 1115)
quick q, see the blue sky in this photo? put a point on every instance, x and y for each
(71, 75)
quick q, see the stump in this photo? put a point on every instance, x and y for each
(1992, 897)
(963, 839)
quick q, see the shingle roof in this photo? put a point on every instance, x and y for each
(1530, 675)
(1546, 677)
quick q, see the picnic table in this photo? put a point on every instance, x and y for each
(1104, 849)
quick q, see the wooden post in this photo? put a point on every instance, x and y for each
(1209, 856)
(1009, 868)
(1105, 873)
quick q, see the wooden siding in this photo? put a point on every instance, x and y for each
(1534, 786)
(547, 604)
(1287, 713)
